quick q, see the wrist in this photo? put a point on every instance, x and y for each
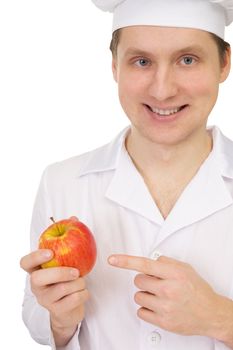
(223, 321)
(62, 334)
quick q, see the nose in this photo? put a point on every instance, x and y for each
(163, 84)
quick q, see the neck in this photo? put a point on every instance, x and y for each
(169, 160)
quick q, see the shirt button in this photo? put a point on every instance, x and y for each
(155, 255)
(154, 338)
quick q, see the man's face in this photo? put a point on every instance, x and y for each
(168, 80)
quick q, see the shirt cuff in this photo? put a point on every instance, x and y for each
(73, 343)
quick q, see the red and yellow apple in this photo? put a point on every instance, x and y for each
(72, 243)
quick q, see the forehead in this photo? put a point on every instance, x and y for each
(169, 38)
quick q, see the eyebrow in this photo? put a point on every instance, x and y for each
(192, 48)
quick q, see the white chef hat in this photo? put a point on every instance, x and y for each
(208, 15)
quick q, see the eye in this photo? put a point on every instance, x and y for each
(188, 60)
(142, 62)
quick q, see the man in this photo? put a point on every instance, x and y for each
(161, 195)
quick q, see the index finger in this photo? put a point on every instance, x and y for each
(161, 268)
(32, 261)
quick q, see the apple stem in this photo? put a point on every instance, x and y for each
(57, 226)
(52, 219)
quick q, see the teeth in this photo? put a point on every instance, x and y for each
(165, 111)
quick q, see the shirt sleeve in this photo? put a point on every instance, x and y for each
(72, 345)
(35, 317)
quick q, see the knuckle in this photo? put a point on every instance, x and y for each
(26, 262)
(21, 263)
(81, 283)
(182, 276)
(169, 292)
(185, 270)
(148, 264)
(140, 313)
(34, 278)
(60, 273)
(80, 297)
(164, 290)
(181, 273)
(138, 280)
(137, 297)
(61, 289)
(167, 308)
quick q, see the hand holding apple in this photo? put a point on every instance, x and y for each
(60, 290)
(72, 243)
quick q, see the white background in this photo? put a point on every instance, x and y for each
(57, 99)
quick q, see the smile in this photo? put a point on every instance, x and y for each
(165, 112)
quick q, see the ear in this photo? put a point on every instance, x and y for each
(226, 66)
(114, 68)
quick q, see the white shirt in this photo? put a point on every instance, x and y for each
(105, 191)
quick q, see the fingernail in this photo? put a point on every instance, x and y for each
(113, 260)
(47, 253)
(74, 272)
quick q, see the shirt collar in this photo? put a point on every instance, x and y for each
(106, 158)
(127, 187)
(222, 152)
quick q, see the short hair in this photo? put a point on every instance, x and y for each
(115, 41)
(222, 45)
